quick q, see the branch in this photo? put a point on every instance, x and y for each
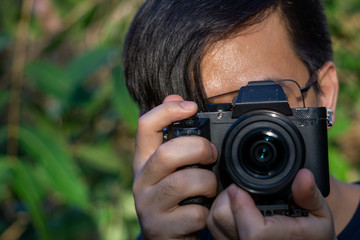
(16, 78)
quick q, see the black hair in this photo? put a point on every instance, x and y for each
(166, 41)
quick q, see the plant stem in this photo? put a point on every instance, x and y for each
(16, 78)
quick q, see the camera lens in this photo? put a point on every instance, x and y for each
(262, 152)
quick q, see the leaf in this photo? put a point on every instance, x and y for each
(85, 65)
(5, 177)
(341, 124)
(4, 98)
(99, 99)
(62, 171)
(3, 135)
(4, 168)
(51, 79)
(28, 190)
(338, 166)
(100, 156)
(4, 41)
(127, 109)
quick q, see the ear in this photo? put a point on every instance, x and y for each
(329, 86)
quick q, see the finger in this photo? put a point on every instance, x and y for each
(173, 98)
(220, 221)
(183, 184)
(189, 219)
(176, 153)
(307, 195)
(248, 218)
(251, 224)
(179, 223)
(151, 125)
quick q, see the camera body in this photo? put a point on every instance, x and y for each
(262, 143)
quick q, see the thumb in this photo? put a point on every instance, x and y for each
(307, 195)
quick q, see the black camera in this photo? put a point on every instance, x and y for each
(262, 143)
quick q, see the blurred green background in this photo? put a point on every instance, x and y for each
(67, 123)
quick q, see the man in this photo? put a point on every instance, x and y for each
(195, 50)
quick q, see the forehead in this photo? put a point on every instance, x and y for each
(262, 51)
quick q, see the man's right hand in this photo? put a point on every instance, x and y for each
(158, 184)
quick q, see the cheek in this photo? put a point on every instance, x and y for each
(312, 98)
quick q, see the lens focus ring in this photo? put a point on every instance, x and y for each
(262, 152)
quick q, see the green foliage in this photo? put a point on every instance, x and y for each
(65, 83)
(29, 190)
(62, 173)
(122, 101)
(4, 41)
(343, 18)
(71, 171)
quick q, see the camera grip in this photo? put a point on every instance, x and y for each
(200, 200)
(192, 126)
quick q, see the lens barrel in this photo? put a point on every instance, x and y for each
(262, 152)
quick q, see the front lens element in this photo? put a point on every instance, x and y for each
(263, 153)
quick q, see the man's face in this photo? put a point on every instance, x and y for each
(261, 52)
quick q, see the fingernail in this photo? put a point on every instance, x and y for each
(188, 105)
(232, 192)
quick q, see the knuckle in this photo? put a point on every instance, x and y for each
(203, 149)
(174, 185)
(138, 198)
(172, 108)
(198, 215)
(149, 228)
(219, 215)
(162, 152)
(136, 187)
(141, 195)
(203, 146)
(162, 156)
(142, 122)
(194, 220)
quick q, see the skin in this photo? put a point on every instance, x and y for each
(260, 52)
